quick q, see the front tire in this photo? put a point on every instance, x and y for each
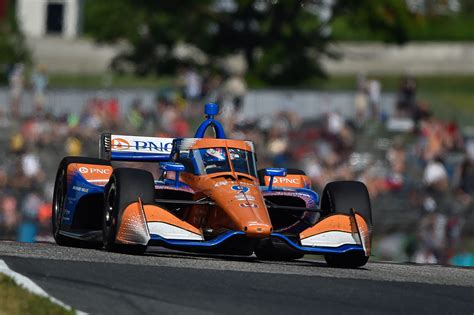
(126, 185)
(59, 198)
(340, 197)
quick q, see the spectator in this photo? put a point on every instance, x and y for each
(39, 82)
(16, 80)
(9, 217)
(193, 85)
(135, 115)
(466, 180)
(406, 97)
(374, 89)
(361, 105)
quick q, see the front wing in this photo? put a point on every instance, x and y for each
(153, 225)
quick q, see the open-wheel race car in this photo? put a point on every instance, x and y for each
(209, 198)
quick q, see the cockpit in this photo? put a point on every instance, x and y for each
(210, 156)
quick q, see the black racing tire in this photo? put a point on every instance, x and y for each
(340, 197)
(124, 187)
(276, 250)
(289, 171)
(59, 196)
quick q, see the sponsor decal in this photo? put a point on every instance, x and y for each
(219, 184)
(241, 189)
(94, 170)
(286, 180)
(122, 144)
(242, 197)
(248, 205)
(81, 189)
(153, 147)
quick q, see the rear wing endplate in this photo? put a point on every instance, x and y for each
(134, 148)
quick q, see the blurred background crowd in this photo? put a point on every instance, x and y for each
(423, 169)
(417, 162)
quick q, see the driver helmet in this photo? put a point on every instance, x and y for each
(215, 154)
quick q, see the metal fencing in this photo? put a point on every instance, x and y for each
(308, 103)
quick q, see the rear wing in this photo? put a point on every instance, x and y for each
(133, 148)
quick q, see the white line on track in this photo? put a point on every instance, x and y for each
(30, 286)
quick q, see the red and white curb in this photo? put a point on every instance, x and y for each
(30, 286)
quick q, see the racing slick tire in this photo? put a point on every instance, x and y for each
(123, 188)
(59, 198)
(340, 197)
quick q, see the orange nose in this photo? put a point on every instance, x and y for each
(257, 230)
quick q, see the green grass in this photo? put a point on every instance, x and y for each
(456, 27)
(106, 81)
(15, 300)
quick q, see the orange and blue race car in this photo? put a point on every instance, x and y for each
(209, 198)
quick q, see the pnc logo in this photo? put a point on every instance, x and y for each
(151, 146)
(138, 145)
(120, 144)
(285, 180)
(93, 170)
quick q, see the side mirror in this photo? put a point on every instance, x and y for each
(272, 172)
(173, 167)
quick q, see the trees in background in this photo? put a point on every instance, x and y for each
(282, 41)
(12, 45)
(149, 30)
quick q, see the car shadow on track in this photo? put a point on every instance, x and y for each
(159, 252)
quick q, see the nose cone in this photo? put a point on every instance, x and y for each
(257, 230)
(243, 203)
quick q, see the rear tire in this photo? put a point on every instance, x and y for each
(59, 198)
(124, 188)
(340, 197)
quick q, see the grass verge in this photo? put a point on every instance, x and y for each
(16, 300)
(107, 80)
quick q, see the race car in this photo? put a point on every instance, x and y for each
(208, 198)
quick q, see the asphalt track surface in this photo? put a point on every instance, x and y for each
(163, 282)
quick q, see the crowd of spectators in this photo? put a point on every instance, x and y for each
(428, 167)
(331, 147)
